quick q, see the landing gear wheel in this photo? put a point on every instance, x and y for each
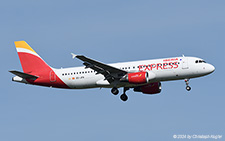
(115, 91)
(188, 88)
(124, 97)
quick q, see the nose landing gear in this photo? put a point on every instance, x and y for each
(188, 88)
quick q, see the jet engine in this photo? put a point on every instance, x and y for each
(138, 77)
(152, 88)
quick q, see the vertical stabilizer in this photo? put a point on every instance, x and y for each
(31, 62)
(35, 70)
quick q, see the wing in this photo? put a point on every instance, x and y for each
(111, 73)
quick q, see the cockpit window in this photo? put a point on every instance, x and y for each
(200, 61)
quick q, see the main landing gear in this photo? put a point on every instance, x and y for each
(188, 88)
(123, 97)
(115, 91)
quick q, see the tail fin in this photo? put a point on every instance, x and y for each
(31, 62)
(35, 70)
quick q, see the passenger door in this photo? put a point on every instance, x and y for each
(184, 62)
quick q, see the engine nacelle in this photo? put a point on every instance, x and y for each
(138, 77)
(152, 88)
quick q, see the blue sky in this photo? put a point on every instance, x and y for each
(112, 31)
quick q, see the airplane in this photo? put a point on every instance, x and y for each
(141, 76)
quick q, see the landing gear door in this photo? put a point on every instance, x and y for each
(184, 62)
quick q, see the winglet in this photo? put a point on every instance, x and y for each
(73, 55)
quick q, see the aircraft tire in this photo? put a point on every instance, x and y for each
(124, 97)
(188, 88)
(115, 91)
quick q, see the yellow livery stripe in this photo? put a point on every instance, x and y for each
(23, 44)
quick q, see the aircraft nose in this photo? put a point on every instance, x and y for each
(211, 68)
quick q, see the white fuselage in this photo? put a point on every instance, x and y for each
(166, 69)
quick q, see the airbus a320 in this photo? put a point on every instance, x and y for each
(141, 76)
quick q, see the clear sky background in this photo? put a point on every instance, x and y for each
(112, 31)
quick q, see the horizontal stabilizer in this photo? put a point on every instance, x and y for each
(24, 75)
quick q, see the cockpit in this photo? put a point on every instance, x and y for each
(200, 61)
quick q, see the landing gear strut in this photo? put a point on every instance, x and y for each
(188, 88)
(115, 91)
(124, 97)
